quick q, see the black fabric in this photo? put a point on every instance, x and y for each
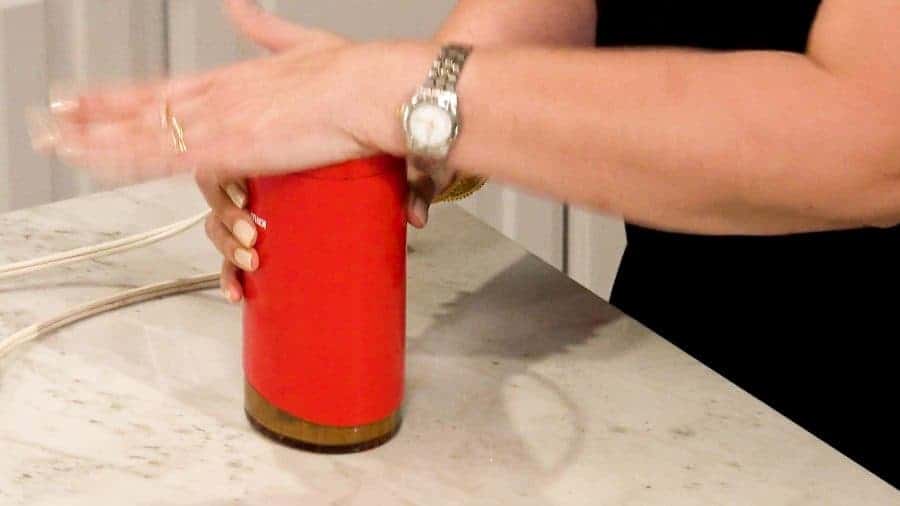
(807, 322)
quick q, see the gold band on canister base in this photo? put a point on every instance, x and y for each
(292, 431)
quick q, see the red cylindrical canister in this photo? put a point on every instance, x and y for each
(324, 317)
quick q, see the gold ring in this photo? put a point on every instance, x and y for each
(170, 122)
(178, 136)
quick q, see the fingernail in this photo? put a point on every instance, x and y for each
(62, 99)
(42, 130)
(236, 194)
(245, 233)
(421, 210)
(244, 259)
(230, 295)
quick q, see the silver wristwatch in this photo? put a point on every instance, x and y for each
(431, 118)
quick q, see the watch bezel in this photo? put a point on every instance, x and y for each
(442, 99)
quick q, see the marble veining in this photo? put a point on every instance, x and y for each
(522, 388)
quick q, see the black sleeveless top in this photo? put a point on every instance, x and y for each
(806, 322)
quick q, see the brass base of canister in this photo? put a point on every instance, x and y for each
(297, 433)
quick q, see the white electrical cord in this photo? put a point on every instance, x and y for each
(98, 306)
(100, 250)
(127, 298)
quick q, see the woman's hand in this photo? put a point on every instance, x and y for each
(276, 114)
(277, 35)
(230, 229)
(229, 226)
(319, 100)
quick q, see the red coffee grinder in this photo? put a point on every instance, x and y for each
(325, 313)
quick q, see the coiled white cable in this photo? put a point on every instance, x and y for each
(100, 250)
(127, 298)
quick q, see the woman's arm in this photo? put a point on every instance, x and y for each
(521, 22)
(741, 142)
(753, 142)
(485, 23)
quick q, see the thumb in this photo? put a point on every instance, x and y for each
(424, 186)
(421, 192)
(261, 27)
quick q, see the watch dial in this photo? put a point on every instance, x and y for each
(430, 125)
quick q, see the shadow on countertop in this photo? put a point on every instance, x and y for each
(525, 314)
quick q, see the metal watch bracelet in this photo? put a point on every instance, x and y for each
(444, 75)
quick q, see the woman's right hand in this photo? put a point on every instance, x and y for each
(275, 34)
(229, 226)
(230, 229)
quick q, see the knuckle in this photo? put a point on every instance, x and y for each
(228, 273)
(204, 178)
(227, 244)
(209, 225)
(231, 215)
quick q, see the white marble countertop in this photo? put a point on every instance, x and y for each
(523, 388)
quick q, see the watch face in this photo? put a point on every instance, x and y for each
(429, 125)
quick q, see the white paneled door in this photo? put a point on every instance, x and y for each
(91, 41)
(596, 243)
(536, 223)
(199, 37)
(25, 178)
(81, 42)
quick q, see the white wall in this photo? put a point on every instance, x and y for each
(92, 41)
(25, 178)
(79, 42)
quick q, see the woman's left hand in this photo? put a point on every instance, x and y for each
(319, 99)
(279, 113)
